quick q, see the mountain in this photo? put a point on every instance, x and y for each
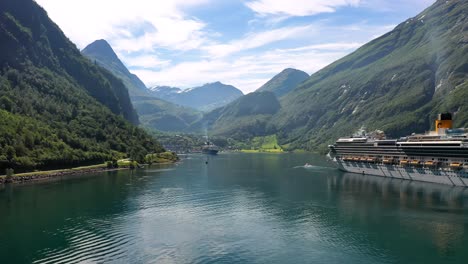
(165, 116)
(57, 108)
(154, 113)
(103, 55)
(284, 82)
(247, 116)
(203, 98)
(48, 48)
(397, 83)
(165, 91)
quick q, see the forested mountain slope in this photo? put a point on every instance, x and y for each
(57, 108)
(397, 83)
(244, 118)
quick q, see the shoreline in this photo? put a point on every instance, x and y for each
(40, 176)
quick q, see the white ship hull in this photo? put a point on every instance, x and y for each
(441, 175)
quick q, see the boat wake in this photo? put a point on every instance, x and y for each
(312, 167)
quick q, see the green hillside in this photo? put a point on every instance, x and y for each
(267, 144)
(165, 116)
(397, 82)
(57, 108)
(244, 118)
(284, 82)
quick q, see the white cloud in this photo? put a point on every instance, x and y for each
(84, 21)
(140, 30)
(329, 46)
(298, 7)
(247, 72)
(396, 5)
(145, 61)
(255, 40)
(171, 33)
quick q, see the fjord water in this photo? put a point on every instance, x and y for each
(238, 208)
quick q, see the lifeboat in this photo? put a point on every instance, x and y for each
(356, 159)
(403, 162)
(415, 162)
(372, 160)
(388, 161)
(363, 159)
(456, 165)
(430, 163)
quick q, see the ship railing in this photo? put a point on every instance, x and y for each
(360, 159)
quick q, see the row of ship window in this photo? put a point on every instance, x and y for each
(462, 173)
(413, 158)
(408, 161)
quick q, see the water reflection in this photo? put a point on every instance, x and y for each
(411, 194)
(431, 211)
(235, 209)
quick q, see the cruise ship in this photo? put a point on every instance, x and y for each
(439, 156)
(210, 149)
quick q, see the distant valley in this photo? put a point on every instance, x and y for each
(204, 98)
(162, 108)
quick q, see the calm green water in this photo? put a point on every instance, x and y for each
(240, 208)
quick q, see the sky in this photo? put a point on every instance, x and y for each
(187, 43)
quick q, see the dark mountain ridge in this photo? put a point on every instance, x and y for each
(102, 53)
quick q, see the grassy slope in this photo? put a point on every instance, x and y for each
(397, 83)
(284, 82)
(264, 144)
(244, 118)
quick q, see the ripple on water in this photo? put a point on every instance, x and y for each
(98, 243)
(243, 211)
